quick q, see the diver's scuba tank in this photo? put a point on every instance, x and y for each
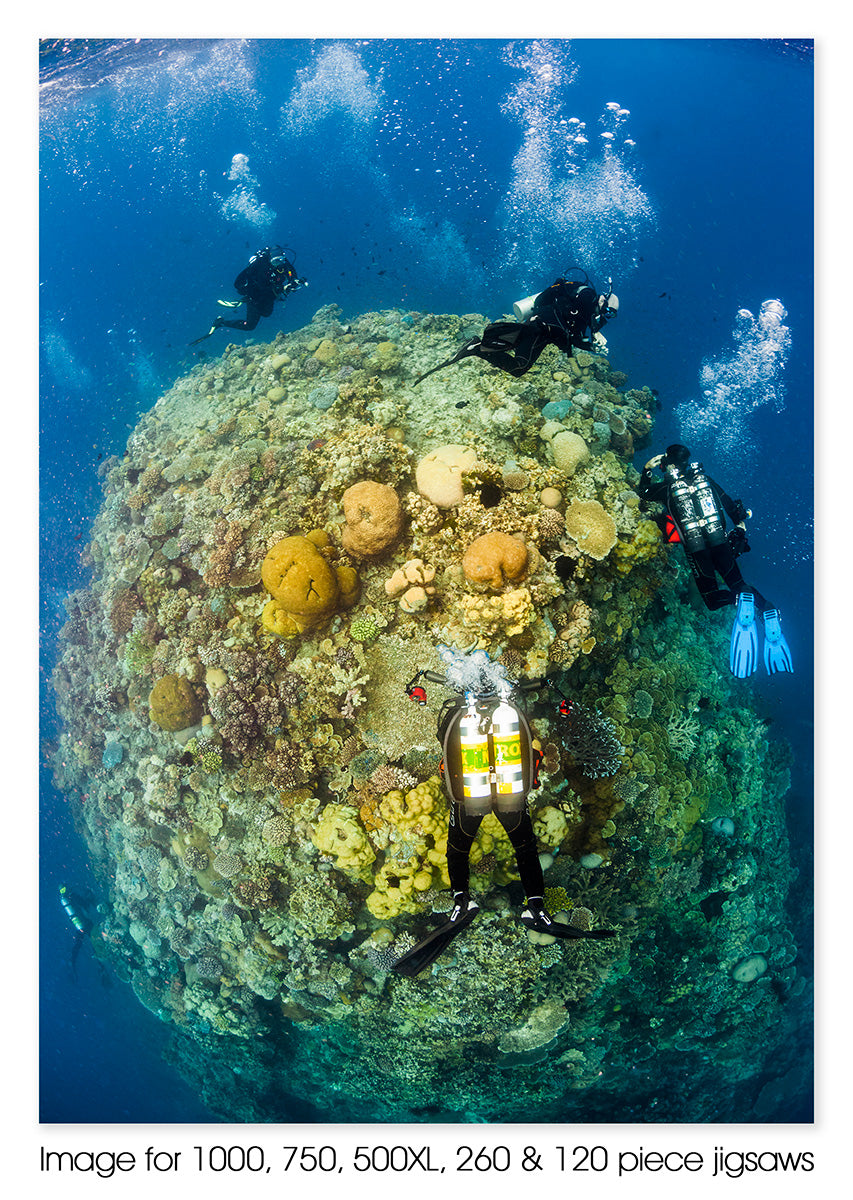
(695, 509)
(489, 760)
(474, 759)
(75, 915)
(506, 740)
(522, 310)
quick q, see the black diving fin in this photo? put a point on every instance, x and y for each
(209, 333)
(539, 920)
(468, 350)
(426, 952)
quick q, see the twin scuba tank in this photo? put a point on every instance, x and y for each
(488, 755)
(694, 508)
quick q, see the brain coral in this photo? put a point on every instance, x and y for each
(374, 518)
(592, 527)
(305, 588)
(173, 704)
(495, 559)
(439, 475)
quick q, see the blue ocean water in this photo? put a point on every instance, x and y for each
(452, 176)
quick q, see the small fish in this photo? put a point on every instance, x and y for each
(461, 403)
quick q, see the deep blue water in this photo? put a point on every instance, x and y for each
(425, 175)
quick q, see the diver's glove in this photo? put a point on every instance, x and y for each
(738, 541)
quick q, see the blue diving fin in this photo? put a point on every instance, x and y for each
(777, 653)
(743, 654)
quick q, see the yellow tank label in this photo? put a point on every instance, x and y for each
(475, 759)
(508, 750)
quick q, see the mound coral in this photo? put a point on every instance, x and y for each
(590, 525)
(373, 519)
(494, 560)
(306, 590)
(439, 474)
(173, 705)
(570, 451)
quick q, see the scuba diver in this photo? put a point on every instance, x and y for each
(78, 909)
(489, 765)
(695, 507)
(270, 276)
(568, 314)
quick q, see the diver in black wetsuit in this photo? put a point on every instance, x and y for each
(489, 765)
(696, 508)
(270, 276)
(569, 315)
(694, 505)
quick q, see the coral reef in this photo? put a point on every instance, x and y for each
(290, 535)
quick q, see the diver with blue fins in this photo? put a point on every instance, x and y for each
(489, 765)
(269, 276)
(695, 516)
(569, 314)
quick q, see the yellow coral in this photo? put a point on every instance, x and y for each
(306, 590)
(339, 833)
(557, 899)
(642, 547)
(590, 525)
(550, 825)
(415, 825)
(511, 612)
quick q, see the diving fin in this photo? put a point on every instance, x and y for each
(209, 333)
(743, 653)
(538, 919)
(469, 349)
(777, 653)
(426, 952)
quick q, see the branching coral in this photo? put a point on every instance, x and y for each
(590, 739)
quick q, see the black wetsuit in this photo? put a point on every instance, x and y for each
(260, 284)
(708, 548)
(519, 830)
(565, 315)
